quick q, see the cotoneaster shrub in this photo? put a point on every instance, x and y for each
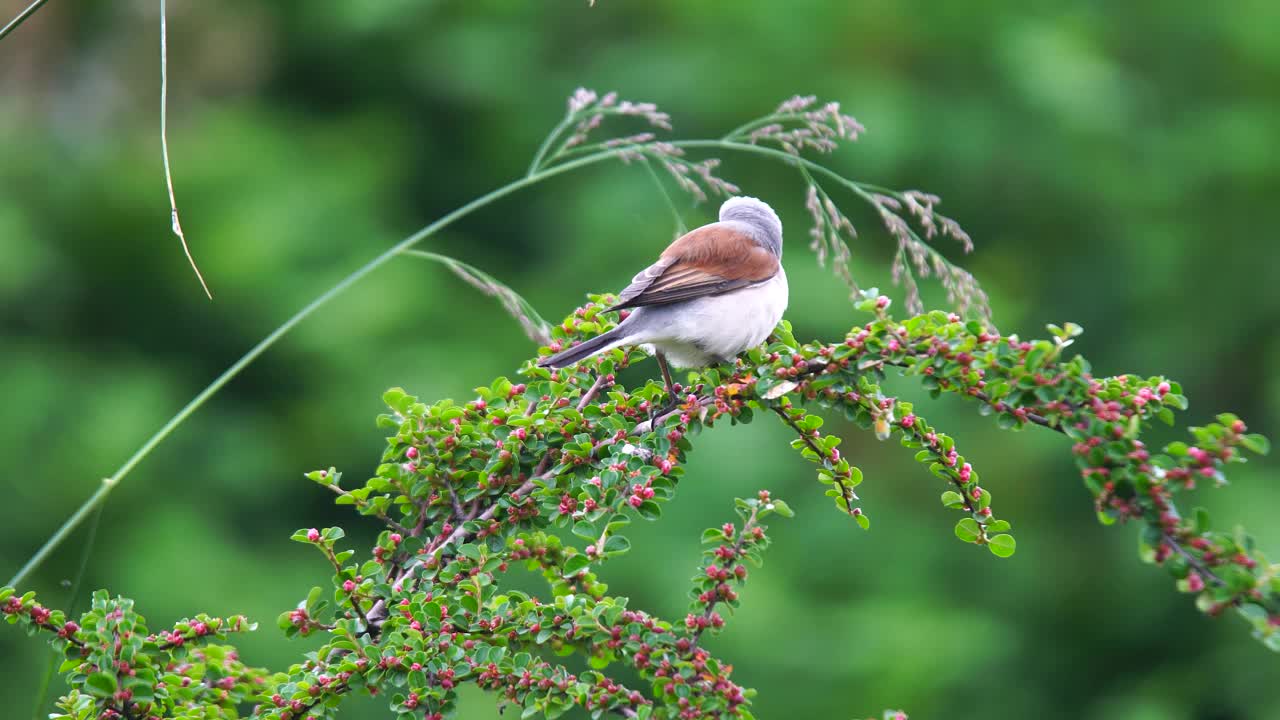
(547, 472)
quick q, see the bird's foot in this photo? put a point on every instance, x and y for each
(672, 401)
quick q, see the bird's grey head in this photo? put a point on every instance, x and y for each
(763, 222)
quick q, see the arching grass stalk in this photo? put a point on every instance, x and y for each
(110, 482)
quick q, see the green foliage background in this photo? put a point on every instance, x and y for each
(1116, 163)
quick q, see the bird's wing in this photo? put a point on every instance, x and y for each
(711, 260)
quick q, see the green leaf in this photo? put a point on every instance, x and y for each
(712, 535)
(783, 331)
(783, 509)
(576, 564)
(855, 476)
(1037, 354)
(968, 530)
(952, 499)
(101, 684)
(616, 521)
(863, 521)
(1256, 443)
(616, 544)
(470, 551)
(649, 510)
(998, 526)
(556, 708)
(394, 397)
(585, 530)
(1202, 520)
(1002, 545)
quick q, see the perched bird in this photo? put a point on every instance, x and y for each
(715, 292)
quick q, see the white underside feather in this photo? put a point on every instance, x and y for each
(712, 329)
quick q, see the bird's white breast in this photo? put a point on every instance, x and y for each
(715, 328)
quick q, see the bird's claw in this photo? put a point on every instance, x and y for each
(657, 411)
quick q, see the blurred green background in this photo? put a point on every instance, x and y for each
(1117, 164)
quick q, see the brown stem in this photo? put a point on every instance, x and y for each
(351, 598)
(844, 491)
(1194, 561)
(437, 545)
(458, 513)
(591, 392)
(649, 425)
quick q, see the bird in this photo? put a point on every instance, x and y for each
(715, 292)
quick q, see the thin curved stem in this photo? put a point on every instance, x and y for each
(780, 155)
(758, 122)
(164, 149)
(257, 350)
(657, 181)
(536, 163)
(21, 18)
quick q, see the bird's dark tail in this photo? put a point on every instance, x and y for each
(584, 350)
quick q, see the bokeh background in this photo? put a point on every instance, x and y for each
(1117, 163)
